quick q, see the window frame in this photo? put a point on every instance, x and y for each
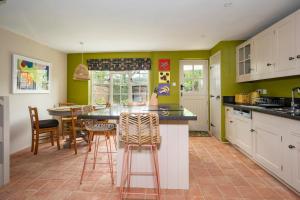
(130, 85)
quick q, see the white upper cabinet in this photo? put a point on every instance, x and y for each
(264, 53)
(286, 45)
(244, 64)
(275, 51)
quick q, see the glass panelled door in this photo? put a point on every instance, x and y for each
(194, 91)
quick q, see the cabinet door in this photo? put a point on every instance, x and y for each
(243, 134)
(230, 126)
(291, 162)
(286, 44)
(297, 18)
(264, 50)
(267, 148)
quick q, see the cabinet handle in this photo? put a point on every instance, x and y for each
(269, 64)
(231, 121)
(291, 146)
(211, 96)
(211, 124)
(298, 56)
(291, 58)
(252, 130)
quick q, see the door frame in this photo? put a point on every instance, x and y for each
(206, 80)
(209, 91)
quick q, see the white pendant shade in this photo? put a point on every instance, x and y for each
(81, 73)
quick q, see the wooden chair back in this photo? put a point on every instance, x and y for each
(139, 128)
(87, 109)
(34, 118)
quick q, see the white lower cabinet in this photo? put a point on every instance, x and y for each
(243, 134)
(267, 140)
(230, 125)
(238, 129)
(273, 142)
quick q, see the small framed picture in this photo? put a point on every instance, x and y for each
(164, 65)
(164, 77)
(30, 75)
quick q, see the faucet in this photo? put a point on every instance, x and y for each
(293, 105)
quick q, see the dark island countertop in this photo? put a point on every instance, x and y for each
(279, 112)
(165, 112)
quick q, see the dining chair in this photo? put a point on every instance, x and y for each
(76, 127)
(42, 126)
(96, 130)
(65, 121)
(139, 131)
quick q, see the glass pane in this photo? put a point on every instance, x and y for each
(124, 99)
(188, 85)
(100, 77)
(124, 89)
(241, 68)
(196, 85)
(116, 99)
(247, 51)
(198, 67)
(187, 67)
(116, 89)
(241, 54)
(247, 67)
(101, 99)
(135, 89)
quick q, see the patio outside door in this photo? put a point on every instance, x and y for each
(194, 91)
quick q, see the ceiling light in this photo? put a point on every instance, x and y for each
(81, 71)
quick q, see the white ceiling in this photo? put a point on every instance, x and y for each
(140, 25)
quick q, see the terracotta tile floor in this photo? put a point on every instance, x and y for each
(217, 171)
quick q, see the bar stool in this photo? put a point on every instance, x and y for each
(42, 126)
(96, 129)
(139, 131)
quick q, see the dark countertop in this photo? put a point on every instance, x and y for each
(270, 111)
(165, 112)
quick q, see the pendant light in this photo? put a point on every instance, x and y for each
(81, 71)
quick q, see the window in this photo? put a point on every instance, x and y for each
(193, 79)
(119, 87)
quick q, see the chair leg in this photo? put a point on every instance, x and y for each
(62, 128)
(36, 143)
(74, 141)
(109, 156)
(57, 138)
(156, 168)
(96, 151)
(86, 156)
(52, 138)
(32, 141)
(124, 172)
(115, 141)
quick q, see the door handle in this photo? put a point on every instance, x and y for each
(181, 87)
(291, 146)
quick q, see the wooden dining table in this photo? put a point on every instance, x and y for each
(65, 111)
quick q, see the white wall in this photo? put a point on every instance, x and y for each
(20, 130)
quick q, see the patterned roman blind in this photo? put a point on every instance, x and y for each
(119, 64)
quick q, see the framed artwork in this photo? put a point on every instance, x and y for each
(30, 75)
(163, 90)
(164, 64)
(164, 77)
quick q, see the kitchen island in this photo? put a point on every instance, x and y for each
(173, 152)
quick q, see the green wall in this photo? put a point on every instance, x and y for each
(78, 91)
(279, 87)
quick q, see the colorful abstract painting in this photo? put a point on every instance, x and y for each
(164, 64)
(163, 90)
(30, 75)
(164, 77)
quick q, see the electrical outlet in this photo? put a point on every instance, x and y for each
(174, 84)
